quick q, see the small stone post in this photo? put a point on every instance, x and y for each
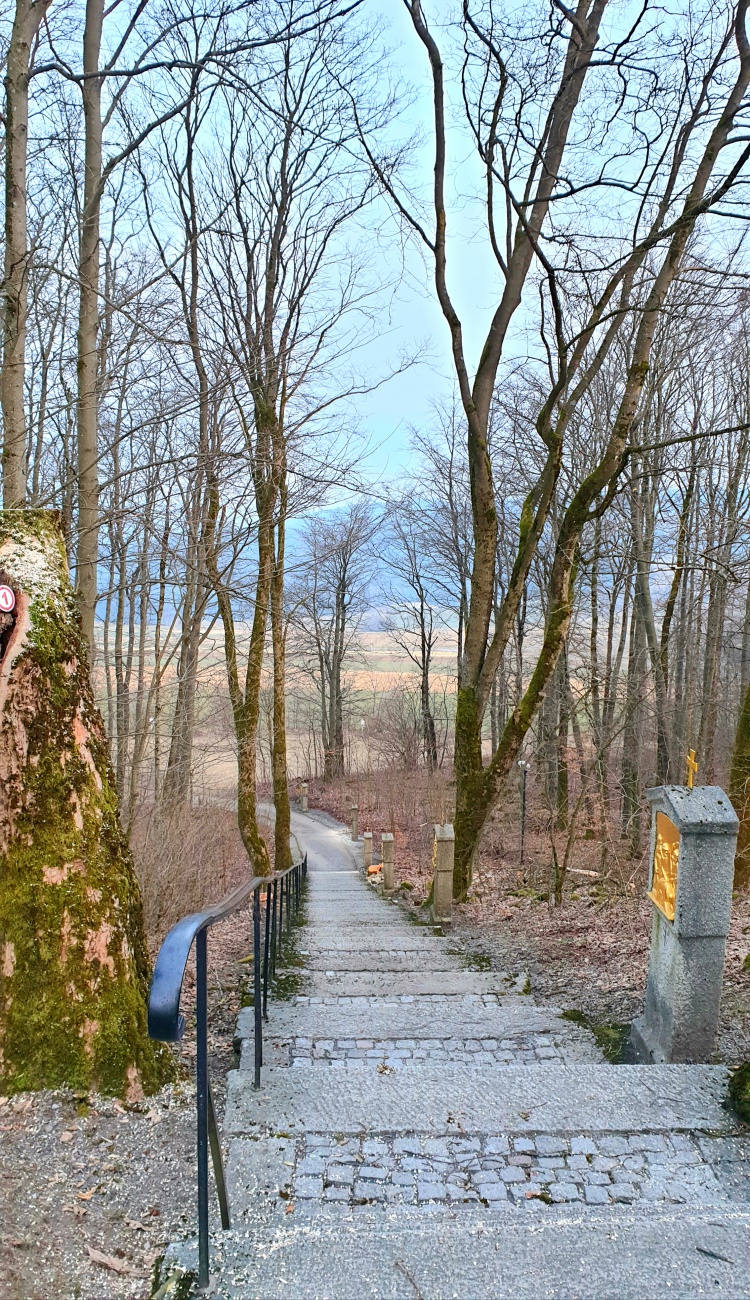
(303, 796)
(386, 844)
(355, 821)
(442, 887)
(693, 839)
(367, 850)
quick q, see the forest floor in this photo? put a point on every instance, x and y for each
(589, 955)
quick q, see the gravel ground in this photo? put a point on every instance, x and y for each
(91, 1199)
(93, 1190)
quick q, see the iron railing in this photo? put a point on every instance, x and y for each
(283, 896)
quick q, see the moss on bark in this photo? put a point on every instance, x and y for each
(739, 789)
(471, 788)
(74, 968)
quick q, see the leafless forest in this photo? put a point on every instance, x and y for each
(211, 218)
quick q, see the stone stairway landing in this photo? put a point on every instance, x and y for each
(427, 1131)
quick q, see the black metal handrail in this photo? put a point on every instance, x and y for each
(167, 1024)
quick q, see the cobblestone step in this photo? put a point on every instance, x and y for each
(403, 1053)
(494, 1170)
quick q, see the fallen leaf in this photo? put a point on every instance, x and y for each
(109, 1261)
(135, 1225)
(86, 1196)
(77, 1210)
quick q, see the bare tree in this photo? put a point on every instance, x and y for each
(334, 572)
(411, 614)
(536, 164)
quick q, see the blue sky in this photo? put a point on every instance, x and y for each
(412, 318)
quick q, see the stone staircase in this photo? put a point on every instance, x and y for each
(425, 1131)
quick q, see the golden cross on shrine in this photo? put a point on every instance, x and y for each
(692, 768)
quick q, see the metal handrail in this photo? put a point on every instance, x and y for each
(167, 1024)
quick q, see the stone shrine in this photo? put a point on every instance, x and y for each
(693, 839)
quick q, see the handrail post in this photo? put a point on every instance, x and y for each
(273, 927)
(201, 1081)
(266, 955)
(218, 1164)
(257, 995)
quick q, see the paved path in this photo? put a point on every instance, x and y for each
(425, 1131)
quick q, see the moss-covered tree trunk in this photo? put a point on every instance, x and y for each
(73, 961)
(739, 789)
(282, 832)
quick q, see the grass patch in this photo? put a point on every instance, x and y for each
(612, 1038)
(739, 1091)
(479, 961)
(291, 974)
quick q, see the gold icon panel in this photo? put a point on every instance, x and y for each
(666, 853)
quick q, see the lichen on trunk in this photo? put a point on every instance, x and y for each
(73, 960)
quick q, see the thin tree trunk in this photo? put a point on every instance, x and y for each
(282, 847)
(26, 22)
(88, 326)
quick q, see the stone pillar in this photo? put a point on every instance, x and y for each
(386, 844)
(367, 850)
(355, 821)
(442, 885)
(303, 796)
(693, 839)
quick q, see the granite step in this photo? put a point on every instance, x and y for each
(570, 1253)
(389, 1017)
(407, 983)
(454, 1098)
(388, 958)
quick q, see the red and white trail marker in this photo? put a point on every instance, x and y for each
(7, 600)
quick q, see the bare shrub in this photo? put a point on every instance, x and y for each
(186, 862)
(396, 732)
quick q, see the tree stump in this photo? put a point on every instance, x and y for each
(74, 967)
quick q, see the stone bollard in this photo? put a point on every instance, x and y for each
(303, 796)
(693, 840)
(367, 850)
(442, 885)
(386, 844)
(355, 821)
